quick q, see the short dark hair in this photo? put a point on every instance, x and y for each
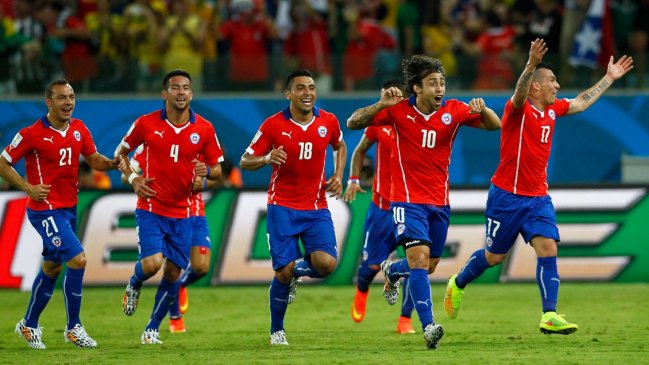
(170, 74)
(49, 90)
(546, 65)
(398, 83)
(294, 74)
(417, 67)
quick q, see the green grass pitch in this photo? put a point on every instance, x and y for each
(498, 324)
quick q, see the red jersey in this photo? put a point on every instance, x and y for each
(169, 152)
(525, 144)
(421, 149)
(382, 135)
(139, 160)
(299, 183)
(52, 157)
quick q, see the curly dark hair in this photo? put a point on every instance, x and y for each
(417, 67)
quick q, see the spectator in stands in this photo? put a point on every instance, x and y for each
(70, 40)
(106, 29)
(538, 19)
(181, 40)
(248, 34)
(639, 41)
(307, 44)
(28, 65)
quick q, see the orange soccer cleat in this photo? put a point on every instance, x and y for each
(183, 300)
(359, 305)
(177, 325)
(404, 326)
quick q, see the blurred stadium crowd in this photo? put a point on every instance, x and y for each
(249, 45)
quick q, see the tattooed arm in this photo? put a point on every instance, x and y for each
(537, 50)
(362, 117)
(588, 97)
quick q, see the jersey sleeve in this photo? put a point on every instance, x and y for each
(464, 111)
(337, 133)
(20, 145)
(88, 146)
(212, 153)
(370, 133)
(561, 107)
(135, 136)
(383, 118)
(261, 143)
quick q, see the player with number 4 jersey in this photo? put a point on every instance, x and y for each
(518, 200)
(179, 146)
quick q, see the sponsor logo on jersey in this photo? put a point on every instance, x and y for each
(194, 138)
(401, 228)
(51, 139)
(288, 134)
(322, 131)
(77, 136)
(158, 133)
(16, 141)
(411, 243)
(552, 115)
(447, 118)
(56, 241)
(411, 117)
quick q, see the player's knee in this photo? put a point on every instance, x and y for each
(77, 262)
(494, 258)
(432, 264)
(150, 267)
(200, 269)
(284, 276)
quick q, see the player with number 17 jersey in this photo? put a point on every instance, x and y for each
(421, 148)
(171, 150)
(525, 147)
(299, 183)
(52, 157)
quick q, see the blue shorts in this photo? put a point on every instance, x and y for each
(285, 226)
(509, 214)
(421, 222)
(159, 234)
(379, 240)
(200, 232)
(56, 228)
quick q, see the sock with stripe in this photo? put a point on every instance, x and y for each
(547, 277)
(420, 292)
(72, 292)
(278, 295)
(166, 294)
(42, 290)
(474, 267)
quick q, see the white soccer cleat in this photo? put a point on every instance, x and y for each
(432, 334)
(390, 288)
(278, 338)
(33, 336)
(292, 289)
(78, 336)
(130, 300)
(151, 337)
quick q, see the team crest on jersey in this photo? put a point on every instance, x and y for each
(77, 135)
(552, 115)
(489, 242)
(447, 118)
(16, 141)
(322, 131)
(194, 138)
(56, 241)
(401, 228)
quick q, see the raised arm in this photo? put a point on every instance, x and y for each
(362, 117)
(354, 184)
(538, 49)
(588, 97)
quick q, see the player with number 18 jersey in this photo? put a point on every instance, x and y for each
(299, 183)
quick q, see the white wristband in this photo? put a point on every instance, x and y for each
(131, 177)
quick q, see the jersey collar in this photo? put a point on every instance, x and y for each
(192, 115)
(287, 112)
(47, 124)
(412, 101)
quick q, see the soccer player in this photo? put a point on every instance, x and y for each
(379, 241)
(51, 148)
(518, 201)
(201, 249)
(180, 140)
(295, 143)
(424, 126)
